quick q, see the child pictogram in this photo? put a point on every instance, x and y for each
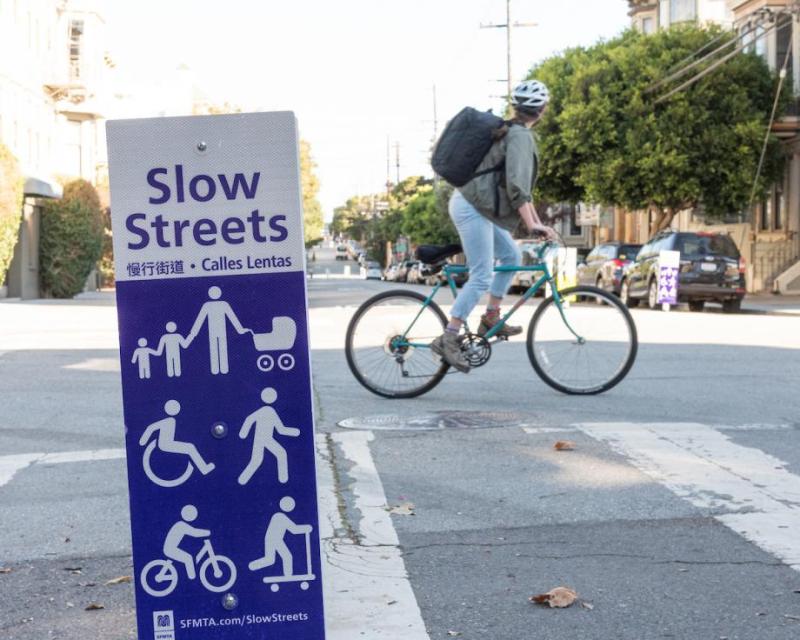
(172, 343)
(142, 356)
(264, 422)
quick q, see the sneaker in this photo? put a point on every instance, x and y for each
(447, 346)
(506, 331)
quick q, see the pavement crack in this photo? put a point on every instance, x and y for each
(351, 532)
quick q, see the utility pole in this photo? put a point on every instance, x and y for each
(388, 168)
(435, 135)
(397, 156)
(508, 26)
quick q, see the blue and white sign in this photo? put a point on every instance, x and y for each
(209, 258)
(669, 263)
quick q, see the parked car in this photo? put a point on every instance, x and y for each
(372, 270)
(711, 270)
(605, 263)
(390, 273)
(341, 252)
(414, 273)
(403, 269)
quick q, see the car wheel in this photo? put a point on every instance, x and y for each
(732, 306)
(624, 295)
(696, 305)
(599, 285)
(652, 294)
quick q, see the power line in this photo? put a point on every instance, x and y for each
(775, 27)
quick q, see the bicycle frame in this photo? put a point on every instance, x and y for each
(451, 269)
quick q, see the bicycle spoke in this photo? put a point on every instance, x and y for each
(382, 344)
(596, 360)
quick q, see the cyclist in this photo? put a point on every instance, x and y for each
(485, 211)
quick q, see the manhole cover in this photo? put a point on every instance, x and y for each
(438, 420)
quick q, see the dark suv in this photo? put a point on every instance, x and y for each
(711, 270)
(605, 263)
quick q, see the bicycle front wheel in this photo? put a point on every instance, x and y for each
(387, 344)
(582, 343)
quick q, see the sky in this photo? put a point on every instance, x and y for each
(357, 73)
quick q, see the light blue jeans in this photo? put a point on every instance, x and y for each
(483, 243)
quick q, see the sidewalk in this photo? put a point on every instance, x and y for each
(771, 303)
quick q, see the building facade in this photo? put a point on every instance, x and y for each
(769, 235)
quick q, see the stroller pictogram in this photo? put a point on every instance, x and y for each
(281, 338)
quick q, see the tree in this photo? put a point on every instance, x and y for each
(426, 221)
(312, 210)
(11, 193)
(604, 139)
(71, 240)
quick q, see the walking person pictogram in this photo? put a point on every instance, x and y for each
(216, 314)
(264, 422)
(275, 547)
(166, 442)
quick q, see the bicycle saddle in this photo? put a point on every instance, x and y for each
(432, 253)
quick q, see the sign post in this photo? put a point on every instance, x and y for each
(209, 257)
(669, 263)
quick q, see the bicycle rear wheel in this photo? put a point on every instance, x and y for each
(387, 344)
(585, 347)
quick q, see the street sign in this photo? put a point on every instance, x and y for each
(209, 259)
(668, 277)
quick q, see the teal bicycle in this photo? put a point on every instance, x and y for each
(581, 340)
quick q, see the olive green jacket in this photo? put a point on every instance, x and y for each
(498, 195)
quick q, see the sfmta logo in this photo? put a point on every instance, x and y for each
(164, 621)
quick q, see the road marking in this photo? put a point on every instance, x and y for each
(10, 465)
(534, 431)
(748, 490)
(367, 591)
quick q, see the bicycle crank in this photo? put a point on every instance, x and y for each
(476, 349)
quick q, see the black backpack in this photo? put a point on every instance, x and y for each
(464, 143)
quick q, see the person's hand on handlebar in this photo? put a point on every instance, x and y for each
(538, 229)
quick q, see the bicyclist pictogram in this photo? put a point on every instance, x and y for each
(165, 442)
(275, 546)
(216, 572)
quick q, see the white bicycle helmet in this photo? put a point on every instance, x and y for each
(530, 96)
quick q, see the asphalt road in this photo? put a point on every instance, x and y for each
(675, 516)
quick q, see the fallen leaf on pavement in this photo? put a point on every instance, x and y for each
(119, 580)
(405, 509)
(564, 445)
(5, 570)
(94, 606)
(559, 597)
(587, 605)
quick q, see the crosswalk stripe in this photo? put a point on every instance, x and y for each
(367, 591)
(748, 490)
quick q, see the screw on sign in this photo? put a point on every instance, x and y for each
(215, 376)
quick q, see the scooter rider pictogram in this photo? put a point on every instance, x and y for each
(275, 546)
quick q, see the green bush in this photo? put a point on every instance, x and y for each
(71, 241)
(11, 183)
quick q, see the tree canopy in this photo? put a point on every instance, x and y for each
(312, 210)
(605, 140)
(11, 185)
